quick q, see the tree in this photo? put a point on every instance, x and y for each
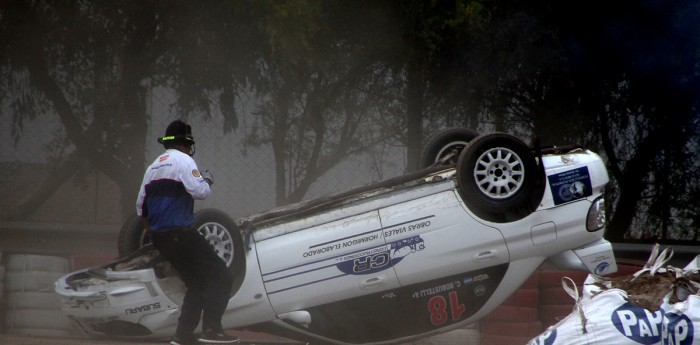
(319, 84)
(333, 79)
(93, 65)
(427, 55)
(82, 69)
(637, 69)
(598, 77)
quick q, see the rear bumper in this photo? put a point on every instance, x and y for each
(128, 304)
(596, 257)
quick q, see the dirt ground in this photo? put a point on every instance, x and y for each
(9, 339)
(247, 338)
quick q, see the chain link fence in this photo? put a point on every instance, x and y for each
(244, 176)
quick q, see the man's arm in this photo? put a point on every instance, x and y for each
(208, 177)
(193, 181)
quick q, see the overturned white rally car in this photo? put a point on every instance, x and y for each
(402, 259)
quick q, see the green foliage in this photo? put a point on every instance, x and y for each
(332, 79)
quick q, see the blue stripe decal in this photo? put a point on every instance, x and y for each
(309, 283)
(341, 255)
(367, 261)
(359, 262)
(371, 231)
(321, 260)
(296, 274)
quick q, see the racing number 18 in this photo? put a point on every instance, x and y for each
(437, 306)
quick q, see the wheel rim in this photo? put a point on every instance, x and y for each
(452, 149)
(499, 173)
(219, 238)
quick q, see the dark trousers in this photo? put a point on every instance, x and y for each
(205, 275)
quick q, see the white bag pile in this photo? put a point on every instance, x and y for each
(659, 304)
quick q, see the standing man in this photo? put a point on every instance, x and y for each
(165, 203)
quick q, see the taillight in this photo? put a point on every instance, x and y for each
(596, 215)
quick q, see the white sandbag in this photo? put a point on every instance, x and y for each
(602, 319)
(681, 322)
(636, 309)
(647, 287)
(688, 280)
(680, 329)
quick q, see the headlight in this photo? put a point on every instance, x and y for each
(596, 215)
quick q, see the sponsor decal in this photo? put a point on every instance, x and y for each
(602, 267)
(677, 330)
(407, 310)
(434, 290)
(163, 158)
(380, 258)
(452, 299)
(479, 290)
(195, 173)
(327, 248)
(407, 246)
(367, 264)
(481, 277)
(638, 324)
(401, 229)
(141, 309)
(546, 338)
(368, 252)
(375, 235)
(161, 166)
(476, 278)
(570, 185)
(389, 295)
(321, 250)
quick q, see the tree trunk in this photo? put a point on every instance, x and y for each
(415, 93)
(279, 144)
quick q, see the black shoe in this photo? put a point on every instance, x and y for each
(217, 337)
(181, 341)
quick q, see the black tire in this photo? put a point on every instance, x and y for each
(132, 236)
(499, 179)
(216, 226)
(449, 142)
(223, 234)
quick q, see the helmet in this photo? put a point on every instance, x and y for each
(177, 132)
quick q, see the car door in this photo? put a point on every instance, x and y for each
(337, 260)
(451, 264)
(436, 237)
(447, 264)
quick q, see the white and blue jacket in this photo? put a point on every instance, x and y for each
(170, 186)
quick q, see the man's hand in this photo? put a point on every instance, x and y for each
(208, 176)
